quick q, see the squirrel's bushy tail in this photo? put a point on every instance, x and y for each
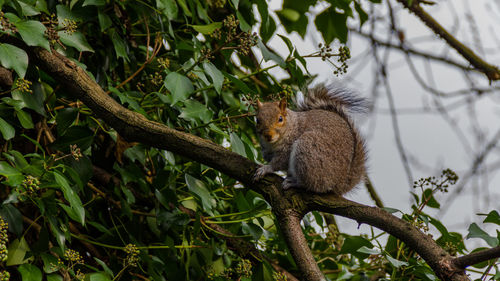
(342, 102)
(336, 99)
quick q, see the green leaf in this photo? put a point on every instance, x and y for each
(198, 187)
(363, 17)
(207, 28)
(428, 197)
(119, 44)
(300, 25)
(215, 74)
(332, 25)
(168, 7)
(33, 101)
(76, 40)
(194, 111)
(396, 263)
(252, 229)
(287, 42)
(54, 277)
(476, 232)
(71, 196)
(353, 243)
(48, 263)
(179, 85)
(13, 175)
(33, 33)
(64, 118)
(30, 272)
(17, 252)
(237, 145)
(235, 3)
(13, 217)
(289, 14)
(6, 129)
(493, 217)
(12, 57)
(99, 276)
(94, 3)
(243, 23)
(104, 20)
(268, 55)
(79, 135)
(368, 251)
(25, 119)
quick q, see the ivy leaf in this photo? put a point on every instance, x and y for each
(332, 25)
(33, 33)
(268, 55)
(17, 252)
(94, 3)
(13, 217)
(289, 14)
(30, 272)
(194, 110)
(396, 263)
(14, 176)
(71, 196)
(76, 40)
(168, 7)
(198, 187)
(99, 276)
(363, 17)
(6, 129)
(237, 145)
(54, 277)
(207, 28)
(252, 229)
(179, 85)
(492, 217)
(215, 74)
(25, 119)
(428, 197)
(119, 45)
(476, 232)
(12, 57)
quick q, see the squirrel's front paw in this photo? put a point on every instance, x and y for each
(289, 182)
(262, 171)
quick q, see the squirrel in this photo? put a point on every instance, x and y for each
(317, 145)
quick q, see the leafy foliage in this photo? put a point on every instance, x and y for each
(83, 203)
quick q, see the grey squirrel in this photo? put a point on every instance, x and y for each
(317, 145)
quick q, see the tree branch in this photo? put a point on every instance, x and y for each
(491, 71)
(477, 257)
(438, 259)
(289, 206)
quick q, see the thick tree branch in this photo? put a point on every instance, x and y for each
(491, 71)
(289, 207)
(477, 257)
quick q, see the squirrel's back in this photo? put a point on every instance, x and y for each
(341, 102)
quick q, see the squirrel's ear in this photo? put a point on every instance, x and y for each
(283, 104)
(259, 104)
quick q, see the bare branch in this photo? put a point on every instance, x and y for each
(491, 71)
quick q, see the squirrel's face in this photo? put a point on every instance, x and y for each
(271, 119)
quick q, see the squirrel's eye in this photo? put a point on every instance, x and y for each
(280, 119)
